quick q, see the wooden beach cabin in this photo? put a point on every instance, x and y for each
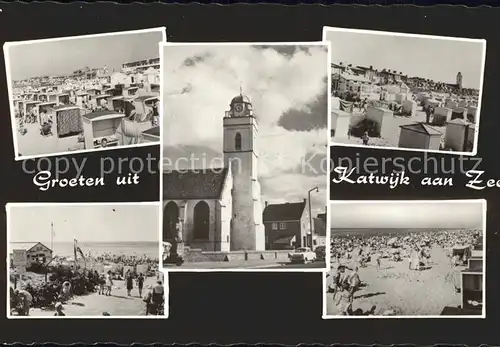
(82, 97)
(459, 135)
(340, 123)
(151, 135)
(63, 98)
(472, 285)
(132, 129)
(67, 120)
(44, 107)
(130, 91)
(99, 100)
(377, 115)
(93, 92)
(29, 107)
(100, 128)
(419, 135)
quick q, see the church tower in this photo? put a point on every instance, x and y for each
(240, 149)
(459, 80)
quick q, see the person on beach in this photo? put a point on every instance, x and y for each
(345, 301)
(365, 138)
(379, 263)
(140, 284)
(109, 283)
(66, 290)
(148, 299)
(427, 110)
(102, 284)
(354, 282)
(59, 310)
(26, 299)
(130, 283)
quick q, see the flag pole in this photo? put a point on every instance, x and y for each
(52, 236)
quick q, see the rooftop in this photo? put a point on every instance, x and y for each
(284, 212)
(421, 128)
(194, 184)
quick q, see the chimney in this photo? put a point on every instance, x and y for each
(266, 203)
(305, 200)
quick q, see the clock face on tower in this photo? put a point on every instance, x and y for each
(238, 107)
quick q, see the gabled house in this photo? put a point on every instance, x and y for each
(287, 226)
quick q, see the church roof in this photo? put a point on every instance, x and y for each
(194, 184)
(241, 98)
(284, 212)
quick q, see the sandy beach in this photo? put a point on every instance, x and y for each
(407, 292)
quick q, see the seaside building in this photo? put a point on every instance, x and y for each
(32, 252)
(287, 225)
(219, 209)
(142, 65)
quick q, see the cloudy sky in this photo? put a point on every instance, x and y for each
(86, 223)
(287, 86)
(436, 59)
(62, 57)
(460, 214)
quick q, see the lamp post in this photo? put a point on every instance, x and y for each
(310, 213)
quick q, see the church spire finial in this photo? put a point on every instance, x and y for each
(241, 90)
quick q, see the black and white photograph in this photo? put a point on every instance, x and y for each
(83, 93)
(406, 259)
(244, 153)
(85, 261)
(405, 91)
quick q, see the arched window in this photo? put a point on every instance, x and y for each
(170, 216)
(237, 142)
(201, 221)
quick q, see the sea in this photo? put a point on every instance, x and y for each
(366, 232)
(151, 248)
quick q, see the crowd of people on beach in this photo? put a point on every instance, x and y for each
(351, 252)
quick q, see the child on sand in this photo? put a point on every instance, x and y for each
(109, 283)
(102, 284)
(365, 138)
(59, 310)
(378, 263)
(345, 301)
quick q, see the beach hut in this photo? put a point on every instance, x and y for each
(67, 121)
(100, 101)
(144, 118)
(377, 115)
(441, 116)
(472, 114)
(29, 110)
(409, 108)
(93, 92)
(459, 135)
(419, 135)
(100, 128)
(82, 98)
(44, 107)
(340, 123)
(472, 285)
(151, 135)
(63, 98)
(130, 91)
(459, 112)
